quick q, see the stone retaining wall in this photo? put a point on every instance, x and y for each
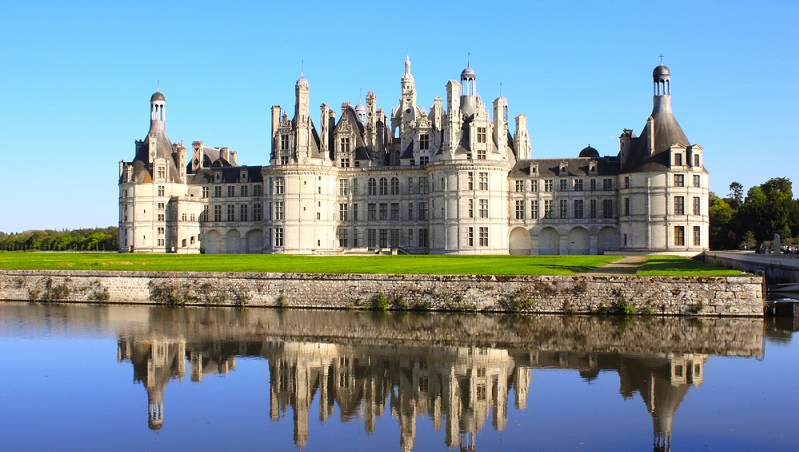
(717, 296)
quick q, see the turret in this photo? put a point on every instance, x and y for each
(521, 141)
(501, 123)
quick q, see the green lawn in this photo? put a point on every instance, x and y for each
(681, 266)
(423, 264)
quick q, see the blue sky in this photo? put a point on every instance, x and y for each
(76, 80)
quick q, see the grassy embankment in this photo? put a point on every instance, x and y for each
(420, 264)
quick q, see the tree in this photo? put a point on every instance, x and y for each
(736, 195)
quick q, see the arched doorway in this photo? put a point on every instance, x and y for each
(519, 242)
(255, 241)
(233, 242)
(213, 242)
(548, 241)
(607, 240)
(579, 241)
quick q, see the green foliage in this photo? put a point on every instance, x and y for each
(380, 302)
(681, 266)
(94, 239)
(698, 307)
(624, 307)
(101, 295)
(281, 301)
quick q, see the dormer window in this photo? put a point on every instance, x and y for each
(592, 167)
(217, 177)
(243, 176)
(677, 159)
(563, 168)
(424, 141)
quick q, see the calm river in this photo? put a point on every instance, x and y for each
(150, 378)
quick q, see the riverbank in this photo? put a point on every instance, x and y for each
(578, 294)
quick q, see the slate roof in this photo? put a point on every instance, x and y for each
(576, 167)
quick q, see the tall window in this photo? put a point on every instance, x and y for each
(278, 210)
(343, 187)
(205, 192)
(423, 209)
(424, 141)
(548, 185)
(371, 211)
(607, 184)
(626, 206)
(607, 208)
(483, 236)
(470, 236)
(231, 191)
(592, 208)
(423, 186)
(371, 238)
(410, 211)
(342, 212)
(519, 186)
(160, 190)
(578, 185)
(372, 187)
(342, 238)
(410, 185)
(393, 238)
(481, 154)
(217, 191)
(697, 180)
(217, 213)
(593, 184)
(355, 218)
(383, 211)
(384, 238)
(697, 205)
(470, 185)
(483, 181)
(564, 185)
(471, 208)
(257, 212)
(578, 208)
(697, 236)
(481, 135)
(280, 186)
(395, 190)
(564, 208)
(383, 186)
(534, 209)
(278, 236)
(677, 159)
(284, 142)
(696, 159)
(520, 209)
(679, 180)
(423, 242)
(345, 145)
(679, 205)
(395, 211)
(548, 209)
(244, 191)
(679, 235)
(231, 212)
(257, 190)
(243, 214)
(534, 185)
(483, 208)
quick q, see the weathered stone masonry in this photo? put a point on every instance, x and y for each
(715, 296)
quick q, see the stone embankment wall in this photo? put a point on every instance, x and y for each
(777, 268)
(716, 296)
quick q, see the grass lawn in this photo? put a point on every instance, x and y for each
(682, 266)
(421, 264)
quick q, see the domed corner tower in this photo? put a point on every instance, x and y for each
(663, 184)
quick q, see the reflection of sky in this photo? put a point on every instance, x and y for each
(63, 388)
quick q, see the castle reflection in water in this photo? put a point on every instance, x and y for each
(457, 387)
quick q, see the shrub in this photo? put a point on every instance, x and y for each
(380, 302)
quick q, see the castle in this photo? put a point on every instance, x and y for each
(451, 181)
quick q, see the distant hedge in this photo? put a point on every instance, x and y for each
(94, 239)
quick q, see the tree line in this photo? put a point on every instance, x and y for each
(750, 222)
(90, 239)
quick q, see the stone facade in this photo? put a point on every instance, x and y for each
(716, 296)
(453, 180)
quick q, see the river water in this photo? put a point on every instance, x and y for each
(83, 377)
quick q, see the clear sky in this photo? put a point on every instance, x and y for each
(76, 79)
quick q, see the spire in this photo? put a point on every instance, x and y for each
(407, 78)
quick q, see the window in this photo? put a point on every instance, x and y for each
(519, 186)
(342, 237)
(423, 187)
(257, 190)
(470, 185)
(410, 185)
(679, 235)
(470, 236)
(626, 206)
(697, 180)
(231, 191)
(592, 208)
(343, 187)
(243, 213)
(279, 210)
(284, 142)
(534, 209)
(481, 154)
(483, 236)
(160, 206)
(345, 145)
(626, 181)
(217, 192)
(205, 192)
(483, 181)
(280, 186)
(354, 218)
(607, 184)
(696, 160)
(410, 236)
(578, 208)
(354, 187)
(548, 209)
(161, 172)
(679, 205)
(383, 211)
(593, 184)
(383, 186)
(161, 217)
(607, 208)
(519, 209)
(160, 190)
(424, 141)
(231, 212)
(371, 238)
(284, 159)
(410, 211)
(257, 212)
(564, 185)
(564, 208)
(204, 215)
(424, 160)
(679, 180)
(395, 211)
(534, 185)
(578, 185)
(677, 159)
(342, 212)
(471, 208)
(371, 211)
(160, 231)
(423, 238)
(483, 208)
(278, 236)
(384, 238)
(423, 209)
(395, 189)
(243, 191)
(372, 186)
(548, 185)
(481, 135)
(697, 206)
(217, 213)
(697, 236)
(393, 238)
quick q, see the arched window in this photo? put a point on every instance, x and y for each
(394, 186)
(383, 186)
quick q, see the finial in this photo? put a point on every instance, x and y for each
(468, 59)
(661, 59)
(302, 68)
(158, 86)
(500, 89)
(360, 94)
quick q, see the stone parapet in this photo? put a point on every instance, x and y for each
(708, 296)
